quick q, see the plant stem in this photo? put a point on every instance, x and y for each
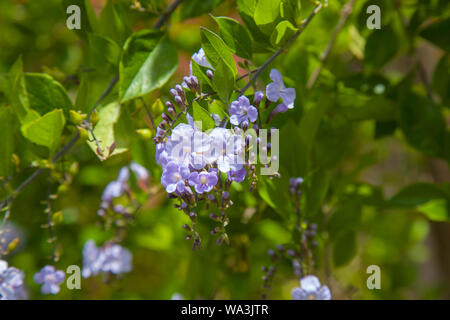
(345, 13)
(277, 53)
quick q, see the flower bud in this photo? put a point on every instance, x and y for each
(145, 134)
(75, 117)
(94, 118)
(209, 74)
(84, 135)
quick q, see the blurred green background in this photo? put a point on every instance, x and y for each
(368, 159)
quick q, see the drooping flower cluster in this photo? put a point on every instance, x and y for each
(120, 186)
(11, 282)
(311, 289)
(50, 278)
(201, 165)
(111, 258)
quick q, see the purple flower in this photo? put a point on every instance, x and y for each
(113, 190)
(116, 259)
(295, 182)
(311, 289)
(201, 60)
(91, 259)
(259, 95)
(141, 174)
(237, 176)
(11, 282)
(50, 278)
(201, 145)
(112, 258)
(203, 181)
(241, 111)
(173, 177)
(139, 171)
(277, 89)
(226, 149)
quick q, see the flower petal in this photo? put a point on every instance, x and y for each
(310, 283)
(272, 91)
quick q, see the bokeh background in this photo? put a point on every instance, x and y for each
(368, 157)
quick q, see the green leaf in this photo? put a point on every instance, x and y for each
(17, 90)
(381, 46)
(46, 94)
(199, 72)
(195, 8)
(344, 249)
(7, 120)
(201, 115)
(104, 52)
(113, 23)
(104, 130)
(246, 9)
(441, 79)
(282, 33)
(236, 37)
(223, 81)
(46, 130)
(423, 125)
(273, 192)
(437, 33)
(436, 210)
(416, 194)
(266, 13)
(148, 62)
(290, 9)
(316, 192)
(346, 217)
(216, 49)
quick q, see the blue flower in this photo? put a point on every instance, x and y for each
(116, 259)
(111, 258)
(50, 278)
(238, 175)
(11, 282)
(311, 289)
(242, 112)
(277, 89)
(201, 60)
(203, 181)
(173, 177)
(141, 174)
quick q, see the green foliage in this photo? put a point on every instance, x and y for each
(45, 130)
(236, 37)
(148, 61)
(369, 136)
(216, 50)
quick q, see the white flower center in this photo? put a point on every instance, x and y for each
(203, 180)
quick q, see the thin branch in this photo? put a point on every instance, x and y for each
(277, 53)
(148, 113)
(166, 14)
(345, 13)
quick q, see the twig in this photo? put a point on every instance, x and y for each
(148, 113)
(277, 53)
(345, 13)
(166, 14)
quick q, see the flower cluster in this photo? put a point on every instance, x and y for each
(120, 186)
(311, 289)
(11, 282)
(201, 165)
(50, 278)
(111, 258)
